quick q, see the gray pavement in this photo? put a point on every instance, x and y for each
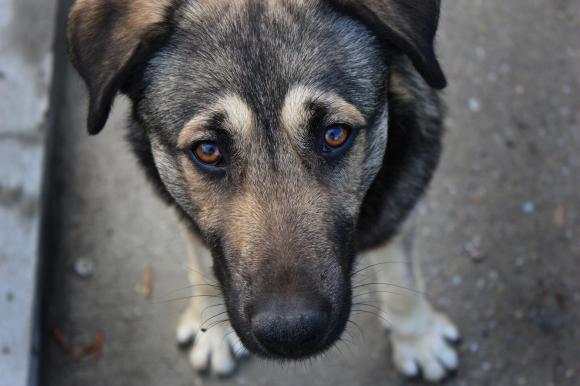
(26, 65)
(499, 231)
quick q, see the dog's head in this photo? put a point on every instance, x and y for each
(267, 122)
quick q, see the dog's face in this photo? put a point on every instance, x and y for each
(268, 123)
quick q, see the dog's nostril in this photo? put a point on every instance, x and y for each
(292, 327)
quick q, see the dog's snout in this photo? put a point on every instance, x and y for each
(290, 327)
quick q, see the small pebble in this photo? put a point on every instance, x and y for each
(566, 89)
(522, 381)
(528, 207)
(84, 267)
(457, 280)
(473, 347)
(569, 373)
(486, 366)
(504, 68)
(565, 171)
(474, 105)
(472, 249)
(520, 261)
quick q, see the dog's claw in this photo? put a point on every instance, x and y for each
(430, 352)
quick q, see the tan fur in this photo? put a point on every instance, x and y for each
(239, 119)
(139, 17)
(141, 14)
(191, 130)
(295, 113)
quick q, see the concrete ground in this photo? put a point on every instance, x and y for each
(26, 67)
(499, 230)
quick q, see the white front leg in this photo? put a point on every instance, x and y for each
(216, 347)
(420, 336)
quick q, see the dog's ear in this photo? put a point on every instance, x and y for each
(107, 39)
(409, 25)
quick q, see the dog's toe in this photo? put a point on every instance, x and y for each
(240, 351)
(406, 364)
(212, 353)
(187, 328)
(185, 334)
(429, 353)
(215, 350)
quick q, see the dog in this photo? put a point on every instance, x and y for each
(294, 138)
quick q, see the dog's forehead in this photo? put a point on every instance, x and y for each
(254, 54)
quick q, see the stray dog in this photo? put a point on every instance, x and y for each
(291, 136)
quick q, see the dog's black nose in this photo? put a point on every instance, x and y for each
(291, 327)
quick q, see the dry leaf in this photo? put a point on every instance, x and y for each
(148, 283)
(560, 216)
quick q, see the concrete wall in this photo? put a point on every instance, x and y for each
(26, 67)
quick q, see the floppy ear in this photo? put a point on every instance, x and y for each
(409, 25)
(107, 39)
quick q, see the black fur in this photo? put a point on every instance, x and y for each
(181, 66)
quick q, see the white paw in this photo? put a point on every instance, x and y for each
(216, 350)
(429, 353)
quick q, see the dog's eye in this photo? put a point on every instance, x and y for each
(335, 137)
(208, 153)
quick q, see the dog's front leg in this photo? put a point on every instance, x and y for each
(420, 336)
(215, 345)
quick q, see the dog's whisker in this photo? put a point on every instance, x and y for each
(390, 285)
(188, 298)
(376, 309)
(370, 305)
(350, 337)
(211, 318)
(375, 314)
(357, 327)
(172, 292)
(375, 265)
(337, 348)
(381, 292)
(208, 278)
(210, 307)
(206, 329)
(348, 344)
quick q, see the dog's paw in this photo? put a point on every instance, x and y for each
(215, 350)
(429, 353)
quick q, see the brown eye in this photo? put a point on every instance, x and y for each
(336, 136)
(208, 152)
